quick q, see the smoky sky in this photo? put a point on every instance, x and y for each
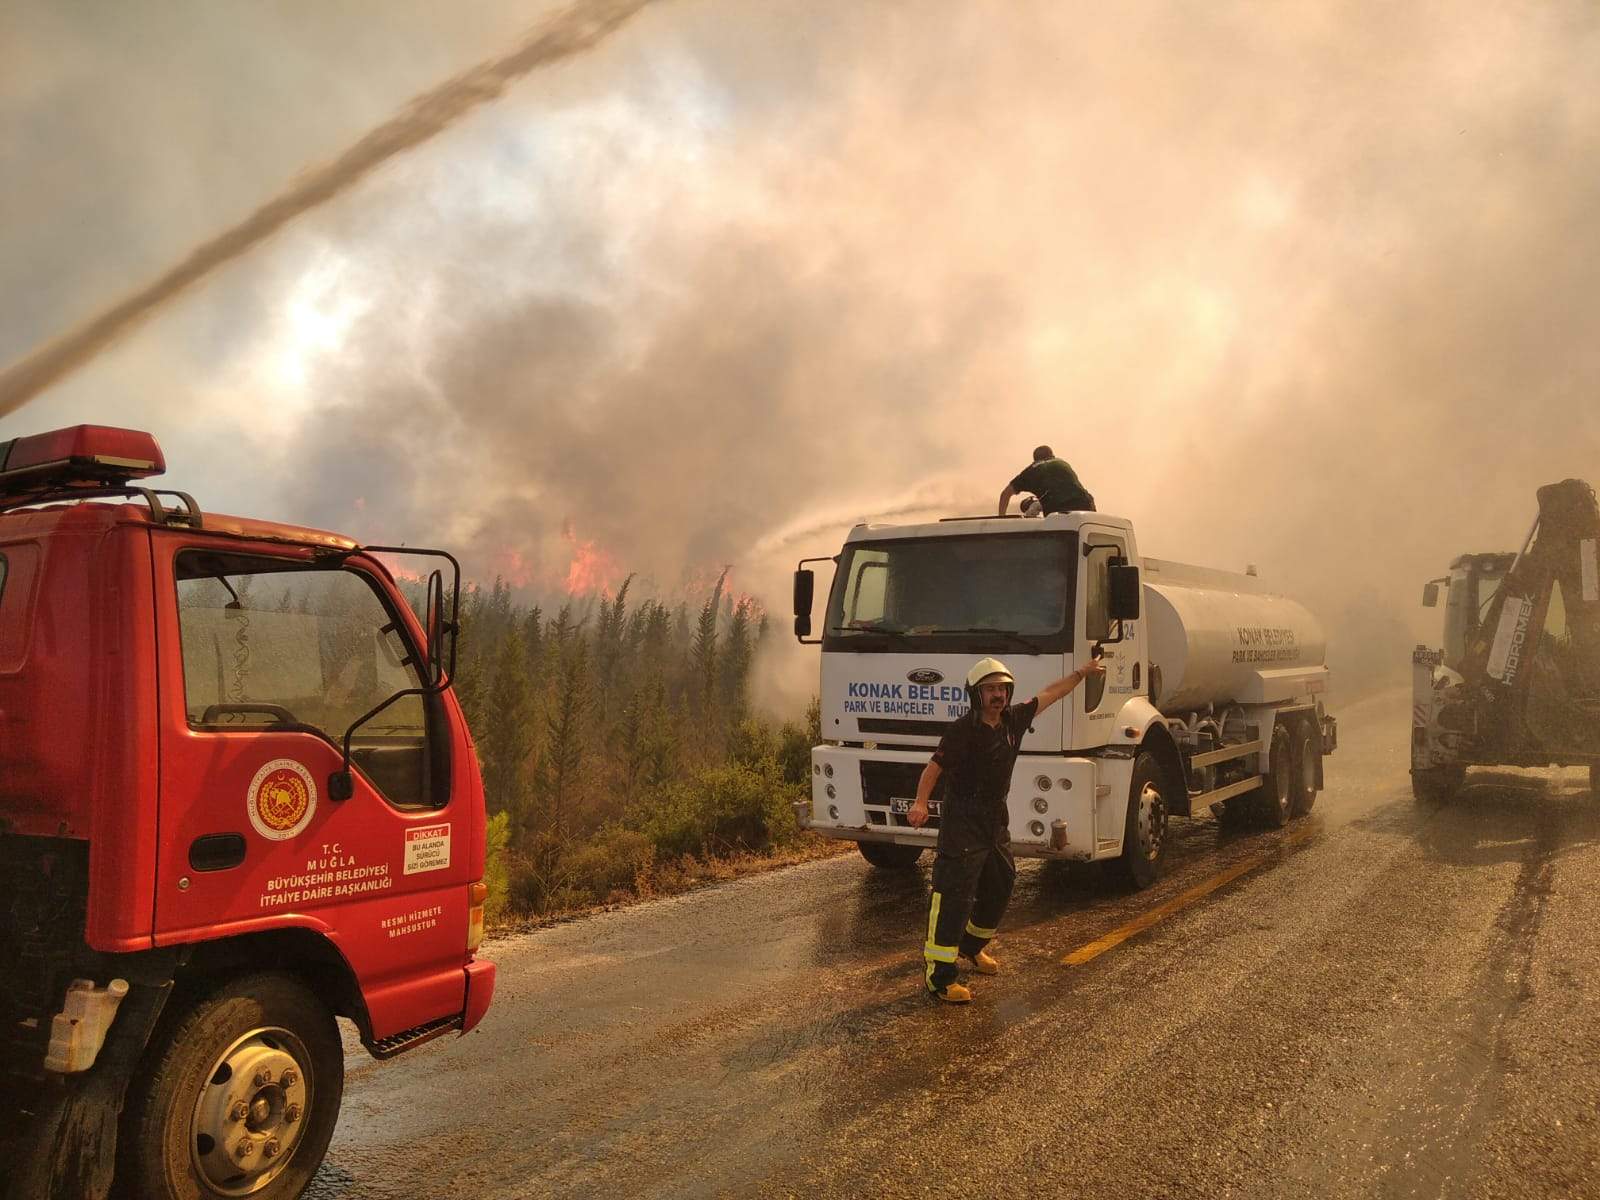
(1298, 285)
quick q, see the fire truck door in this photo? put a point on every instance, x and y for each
(266, 661)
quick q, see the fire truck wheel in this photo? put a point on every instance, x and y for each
(1303, 769)
(1144, 833)
(238, 1097)
(889, 855)
(1275, 797)
(1438, 785)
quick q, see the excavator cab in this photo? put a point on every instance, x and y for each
(1473, 581)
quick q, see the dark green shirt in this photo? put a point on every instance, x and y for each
(1056, 485)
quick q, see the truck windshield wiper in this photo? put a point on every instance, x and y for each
(884, 629)
(1019, 639)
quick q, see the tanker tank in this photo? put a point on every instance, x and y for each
(1217, 637)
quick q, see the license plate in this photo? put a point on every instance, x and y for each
(898, 804)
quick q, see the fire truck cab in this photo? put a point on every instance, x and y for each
(238, 799)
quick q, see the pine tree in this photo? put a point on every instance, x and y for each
(508, 730)
(561, 767)
(703, 656)
(736, 659)
(609, 640)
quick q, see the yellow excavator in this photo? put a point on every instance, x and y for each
(1517, 681)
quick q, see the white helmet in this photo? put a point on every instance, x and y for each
(984, 668)
(988, 670)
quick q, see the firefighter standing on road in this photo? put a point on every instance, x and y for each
(973, 873)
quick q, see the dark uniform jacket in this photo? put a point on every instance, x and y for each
(1056, 484)
(975, 762)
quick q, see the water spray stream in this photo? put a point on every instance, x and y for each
(569, 31)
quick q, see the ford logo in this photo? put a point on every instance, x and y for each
(925, 675)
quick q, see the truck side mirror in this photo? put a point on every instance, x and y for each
(1430, 595)
(805, 586)
(1123, 590)
(437, 628)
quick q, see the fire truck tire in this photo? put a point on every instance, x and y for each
(1438, 785)
(889, 856)
(1144, 831)
(238, 1093)
(1275, 797)
(1303, 768)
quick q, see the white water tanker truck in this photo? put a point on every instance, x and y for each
(1212, 698)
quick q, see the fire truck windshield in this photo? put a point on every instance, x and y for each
(955, 592)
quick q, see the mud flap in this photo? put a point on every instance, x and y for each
(70, 1150)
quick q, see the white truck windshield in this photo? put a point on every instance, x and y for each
(954, 587)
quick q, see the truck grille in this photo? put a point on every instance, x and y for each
(908, 728)
(880, 781)
(885, 781)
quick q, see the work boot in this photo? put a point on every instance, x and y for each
(984, 963)
(954, 993)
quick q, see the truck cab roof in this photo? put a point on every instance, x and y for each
(965, 526)
(87, 515)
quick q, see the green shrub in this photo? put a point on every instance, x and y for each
(751, 744)
(719, 810)
(610, 861)
(537, 872)
(794, 754)
(495, 873)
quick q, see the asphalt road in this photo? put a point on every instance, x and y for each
(1397, 1000)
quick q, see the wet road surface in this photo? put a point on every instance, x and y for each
(1394, 1000)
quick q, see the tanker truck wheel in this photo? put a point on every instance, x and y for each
(1144, 833)
(1303, 769)
(238, 1098)
(1274, 799)
(888, 855)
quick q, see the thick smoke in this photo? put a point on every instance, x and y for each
(565, 33)
(1289, 289)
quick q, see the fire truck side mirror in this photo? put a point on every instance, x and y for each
(1430, 595)
(805, 586)
(438, 628)
(1124, 593)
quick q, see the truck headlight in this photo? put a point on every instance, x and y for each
(1040, 804)
(831, 791)
(828, 770)
(1043, 784)
(1036, 828)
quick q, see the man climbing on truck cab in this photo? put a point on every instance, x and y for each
(974, 872)
(1053, 481)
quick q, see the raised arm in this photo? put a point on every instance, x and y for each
(1053, 692)
(1005, 500)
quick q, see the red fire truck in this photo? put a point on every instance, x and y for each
(238, 800)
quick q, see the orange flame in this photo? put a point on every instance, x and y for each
(592, 568)
(510, 566)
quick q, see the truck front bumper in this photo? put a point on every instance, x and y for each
(854, 793)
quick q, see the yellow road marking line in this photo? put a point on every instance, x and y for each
(1181, 901)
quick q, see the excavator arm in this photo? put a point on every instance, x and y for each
(1531, 674)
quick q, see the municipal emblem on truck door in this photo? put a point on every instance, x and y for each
(282, 798)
